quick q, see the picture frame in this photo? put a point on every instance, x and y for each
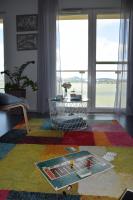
(26, 22)
(26, 41)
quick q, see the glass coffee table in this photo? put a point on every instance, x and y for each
(68, 115)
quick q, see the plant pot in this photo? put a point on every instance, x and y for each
(18, 93)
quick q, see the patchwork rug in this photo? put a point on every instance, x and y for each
(18, 195)
(99, 133)
(20, 179)
(22, 195)
(18, 173)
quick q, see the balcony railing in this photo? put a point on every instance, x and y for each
(105, 84)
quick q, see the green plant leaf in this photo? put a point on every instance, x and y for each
(17, 81)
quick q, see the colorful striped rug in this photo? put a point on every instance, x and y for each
(22, 195)
(99, 133)
(19, 178)
(18, 173)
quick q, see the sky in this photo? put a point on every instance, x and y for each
(74, 44)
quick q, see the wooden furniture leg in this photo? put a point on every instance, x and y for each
(23, 106)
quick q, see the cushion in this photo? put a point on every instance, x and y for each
(7, 99)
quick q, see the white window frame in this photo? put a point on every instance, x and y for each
(92, 17)
(92, 58)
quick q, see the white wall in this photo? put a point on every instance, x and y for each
(13, 57)
(11, 8)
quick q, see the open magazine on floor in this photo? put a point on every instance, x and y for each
(66, 170)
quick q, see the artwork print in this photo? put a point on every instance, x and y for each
(26, 23)
(26, 41)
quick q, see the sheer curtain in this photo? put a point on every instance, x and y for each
(129, 5)
(124, 86)
(47, 12)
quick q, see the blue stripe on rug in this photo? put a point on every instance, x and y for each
(47, 125)
(15, 195)
(13, 136)
(5, 149)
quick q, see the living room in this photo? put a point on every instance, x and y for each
(90, 39)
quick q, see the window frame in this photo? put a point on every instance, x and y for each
(93, 62)
(92, 29)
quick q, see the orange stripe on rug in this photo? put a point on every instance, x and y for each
(20, 125)
(101, 139)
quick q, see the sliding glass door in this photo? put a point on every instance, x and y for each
(107, 44)
(87, 52)
(72, 53)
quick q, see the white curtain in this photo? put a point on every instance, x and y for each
(47, 12)
(124, 90)
(129, 4)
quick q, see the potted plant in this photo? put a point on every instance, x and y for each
(18, 82)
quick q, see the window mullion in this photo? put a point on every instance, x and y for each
(92, 59)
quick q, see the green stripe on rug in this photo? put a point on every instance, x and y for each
(124, 160)
(18, 170)
(35, 125)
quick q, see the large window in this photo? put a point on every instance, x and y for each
(72, 53)
(88, 56)
(107, 44)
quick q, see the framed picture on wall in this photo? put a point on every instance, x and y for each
(26, 22)
(26, 41)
